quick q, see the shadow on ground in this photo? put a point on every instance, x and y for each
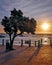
(9, 55)
(34, 54)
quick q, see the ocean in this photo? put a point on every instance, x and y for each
(26, 37)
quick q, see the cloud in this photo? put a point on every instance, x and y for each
(37, 9)
(31, 8)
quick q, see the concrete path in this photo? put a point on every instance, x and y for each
(26, 56)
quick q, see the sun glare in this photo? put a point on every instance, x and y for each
(45, 26)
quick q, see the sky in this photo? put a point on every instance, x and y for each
(41, 10)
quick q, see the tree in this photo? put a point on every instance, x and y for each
(32, 25)
(28, 25)
(16, 22)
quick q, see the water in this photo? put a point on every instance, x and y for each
(33, 38)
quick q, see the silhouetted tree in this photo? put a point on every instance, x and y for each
(28, 25)
(32, 25)
(16, 22)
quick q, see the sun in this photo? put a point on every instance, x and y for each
(45, 26)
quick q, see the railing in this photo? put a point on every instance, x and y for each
(17, 41)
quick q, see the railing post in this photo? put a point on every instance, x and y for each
(29, 43)
(21, 43)
(51, 43)
(7, 45)
(2, 42)
(41, 42)
(35, 43)
(38, 43)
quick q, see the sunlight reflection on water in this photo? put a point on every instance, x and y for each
(46, 41)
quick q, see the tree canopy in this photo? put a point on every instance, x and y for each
(16, 22)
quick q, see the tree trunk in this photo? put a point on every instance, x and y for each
(11, 42)
(10, 38)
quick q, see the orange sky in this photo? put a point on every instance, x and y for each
(39, 27)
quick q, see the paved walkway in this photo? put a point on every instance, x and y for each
(26, 56)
